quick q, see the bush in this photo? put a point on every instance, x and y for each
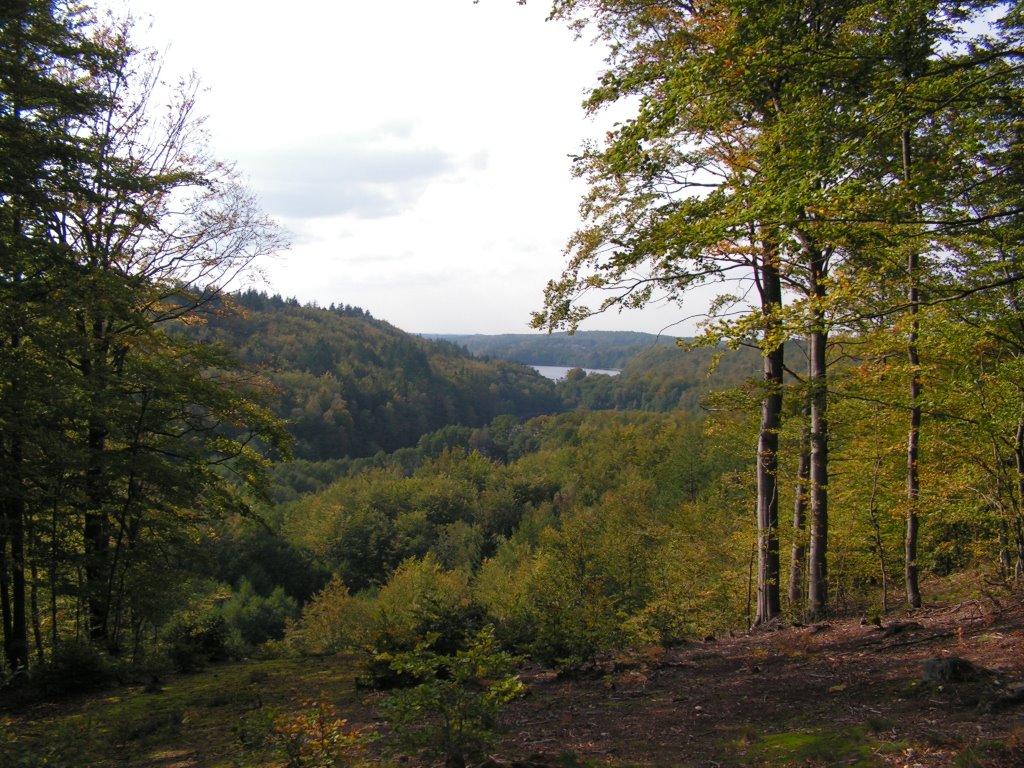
(453, 707)
(332, 621)
(502, 587)
(255, 618)
(194, 641)
(76, 665)
(421, 600)
(313, 737)
(316, 737)
(574, 600)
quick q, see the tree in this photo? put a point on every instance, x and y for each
(776, 145)
(671, 205)
(941, 148)
(161, 231)
(720, 175)
(143, 431)
(44, 54)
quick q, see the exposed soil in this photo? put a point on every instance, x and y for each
(836, 693)
(841, 693)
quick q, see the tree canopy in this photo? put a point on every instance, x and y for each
(808, 157)
(117, 436)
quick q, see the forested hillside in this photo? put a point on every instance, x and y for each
(663, 378)
(191, 476)
(585, 349)
(349, 385)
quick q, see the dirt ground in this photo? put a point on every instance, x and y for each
(840, 693)
(836, 693)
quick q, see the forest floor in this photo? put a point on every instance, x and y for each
(840, 693)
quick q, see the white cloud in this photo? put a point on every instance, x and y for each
(417, 150)
(345, 176)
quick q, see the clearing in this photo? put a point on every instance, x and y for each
(841, 693)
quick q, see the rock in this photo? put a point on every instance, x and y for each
(899, 627)
(1011, 696)
(953, 669)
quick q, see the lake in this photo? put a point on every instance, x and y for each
(557, 372)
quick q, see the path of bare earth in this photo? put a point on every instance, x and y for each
(718, 703)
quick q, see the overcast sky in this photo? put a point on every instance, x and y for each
(416, 150)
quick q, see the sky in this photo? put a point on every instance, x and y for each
(417, 151)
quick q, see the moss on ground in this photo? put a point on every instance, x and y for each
(193, 719)
(854, 747)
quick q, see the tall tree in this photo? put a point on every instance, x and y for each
(673, 203)
(118, 228)
(940, 109)
(735, 154)
(44, 54)
(161, 231)
(820, 132)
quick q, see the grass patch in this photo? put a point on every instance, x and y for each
(981, 755)
(196, 715)
(846, 747)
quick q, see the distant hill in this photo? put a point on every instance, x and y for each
(352, 385)
(584, 349)
(662, 378)
(658, 374)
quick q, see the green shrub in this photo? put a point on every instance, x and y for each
(421, 600)
(255, 618)
(194, 641)
(502, 588)
(334, 620)
(452, 708)
(76, 665)
(255, 730)
(573, 598)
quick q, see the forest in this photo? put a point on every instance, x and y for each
(607, 350)
(194, 472)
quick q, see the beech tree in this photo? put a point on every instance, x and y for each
(793, 150)
(163, 230)
(940, 151)
(130, 433)
(44, 54)
(734, 153)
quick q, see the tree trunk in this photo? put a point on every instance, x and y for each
(797, 564)
(96, 536)
(14, 593)
(1005, 566)
(768, 570)
(5, 590)
(817, 565)
(876, 528)
(913, 479)
(1018, 451)
(769, 605)
(914, 434)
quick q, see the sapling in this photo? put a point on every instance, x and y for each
(453, 708)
